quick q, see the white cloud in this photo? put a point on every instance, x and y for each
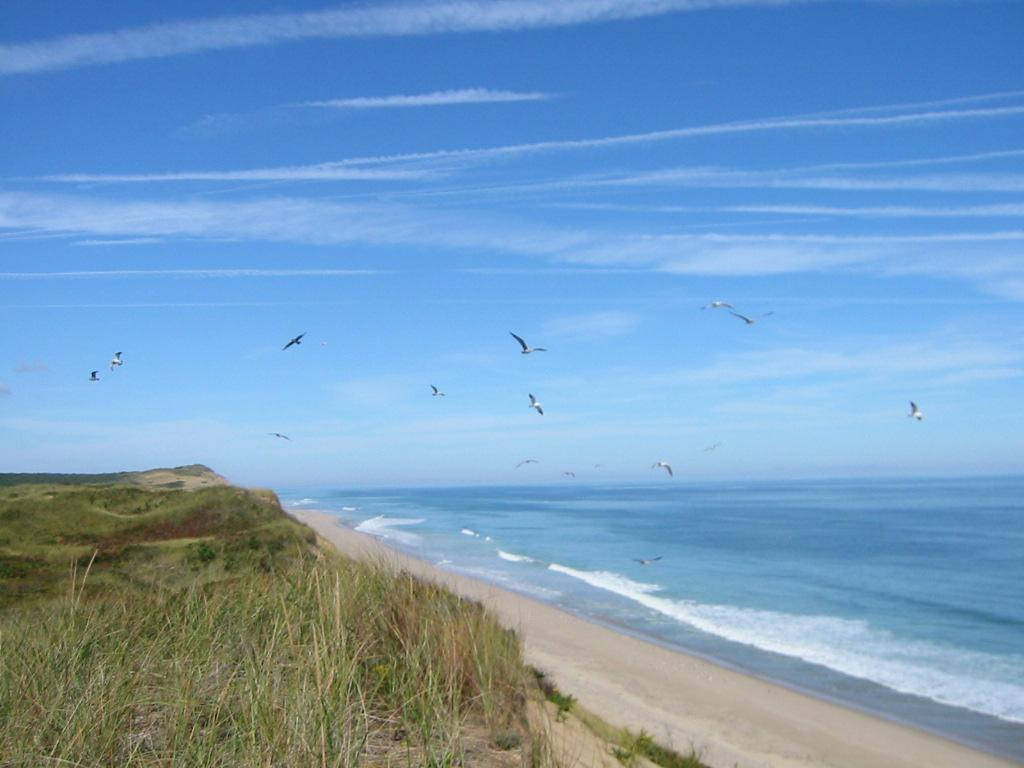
(189, 273)
(177, 38)
(593, 325)
(700, 176)
(32, 366)
(433, 99)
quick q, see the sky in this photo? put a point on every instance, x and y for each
(193, 184)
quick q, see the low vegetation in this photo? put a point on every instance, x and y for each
(206, 628)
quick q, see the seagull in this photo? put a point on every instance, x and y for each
(116, 360)
(94, 376)
(915, 412)
(527, 461)
(569, 474)
(296, 340)
(749, 320)
(437, 392)
(535, 403)
(718, 305)
(527, 349)
(646, 560)
(712, 447)
(664, 465)
(278, 434)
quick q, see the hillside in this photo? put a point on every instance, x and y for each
(188, 477)
(141, 626)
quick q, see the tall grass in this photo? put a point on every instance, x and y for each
(323, 662)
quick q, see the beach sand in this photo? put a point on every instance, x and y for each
(731, 719)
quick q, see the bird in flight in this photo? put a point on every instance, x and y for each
(748, 320)
(437, 392)
(664, 465)
(527, 461)
(296, 340)
(718, 305)
(915, 412)
(712, 447)
(278, 434)
(527, 349)
(646, 560)
(569, 474)
(94, 376)
(116, 360)
(535, 403)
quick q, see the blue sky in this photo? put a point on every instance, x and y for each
(406, 183)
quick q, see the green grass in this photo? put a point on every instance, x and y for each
(206, 628)
(140, 538)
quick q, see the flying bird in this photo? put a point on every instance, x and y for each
(915, 412)
(712, 447)
(527, 461)
(535, 403)
(646, 560)
(718, 305)
(437, 392)
(296, 340)
(664, 465)
(569, 474)
(749, 320)
(94, 376)
(278, 434)
(527, 349)
(116, 360)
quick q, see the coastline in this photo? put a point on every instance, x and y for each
(728, 717)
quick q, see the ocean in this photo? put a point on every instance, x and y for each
(904, 598)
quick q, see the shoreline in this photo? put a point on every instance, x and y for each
(729, 717)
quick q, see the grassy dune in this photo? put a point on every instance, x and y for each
(141, 626)
(206, 628)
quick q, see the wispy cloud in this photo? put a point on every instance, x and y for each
(994, 254)
(226, 32)
(322, 172)
(593, 325)
(32, 366)
(281, 219)
(433, 99)
(186, 273)
(351, 168)
(122, 241)
(874, 211)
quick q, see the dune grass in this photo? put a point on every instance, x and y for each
(209, 629)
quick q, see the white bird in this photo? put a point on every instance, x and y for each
(296, 340)
(527, 461)
(748, 320)
(527, 349)
(915, 412)
(278, 434)
(94, 376)
(116, 360)
(717, 305)
(535, 403)
(646, 560)
(437, 392)
(664, 465)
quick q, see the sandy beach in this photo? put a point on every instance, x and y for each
(731, 719)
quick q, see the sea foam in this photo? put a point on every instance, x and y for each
(514, 558)
(386, 528)
(987, 683)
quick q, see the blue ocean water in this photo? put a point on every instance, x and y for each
(901, 597)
